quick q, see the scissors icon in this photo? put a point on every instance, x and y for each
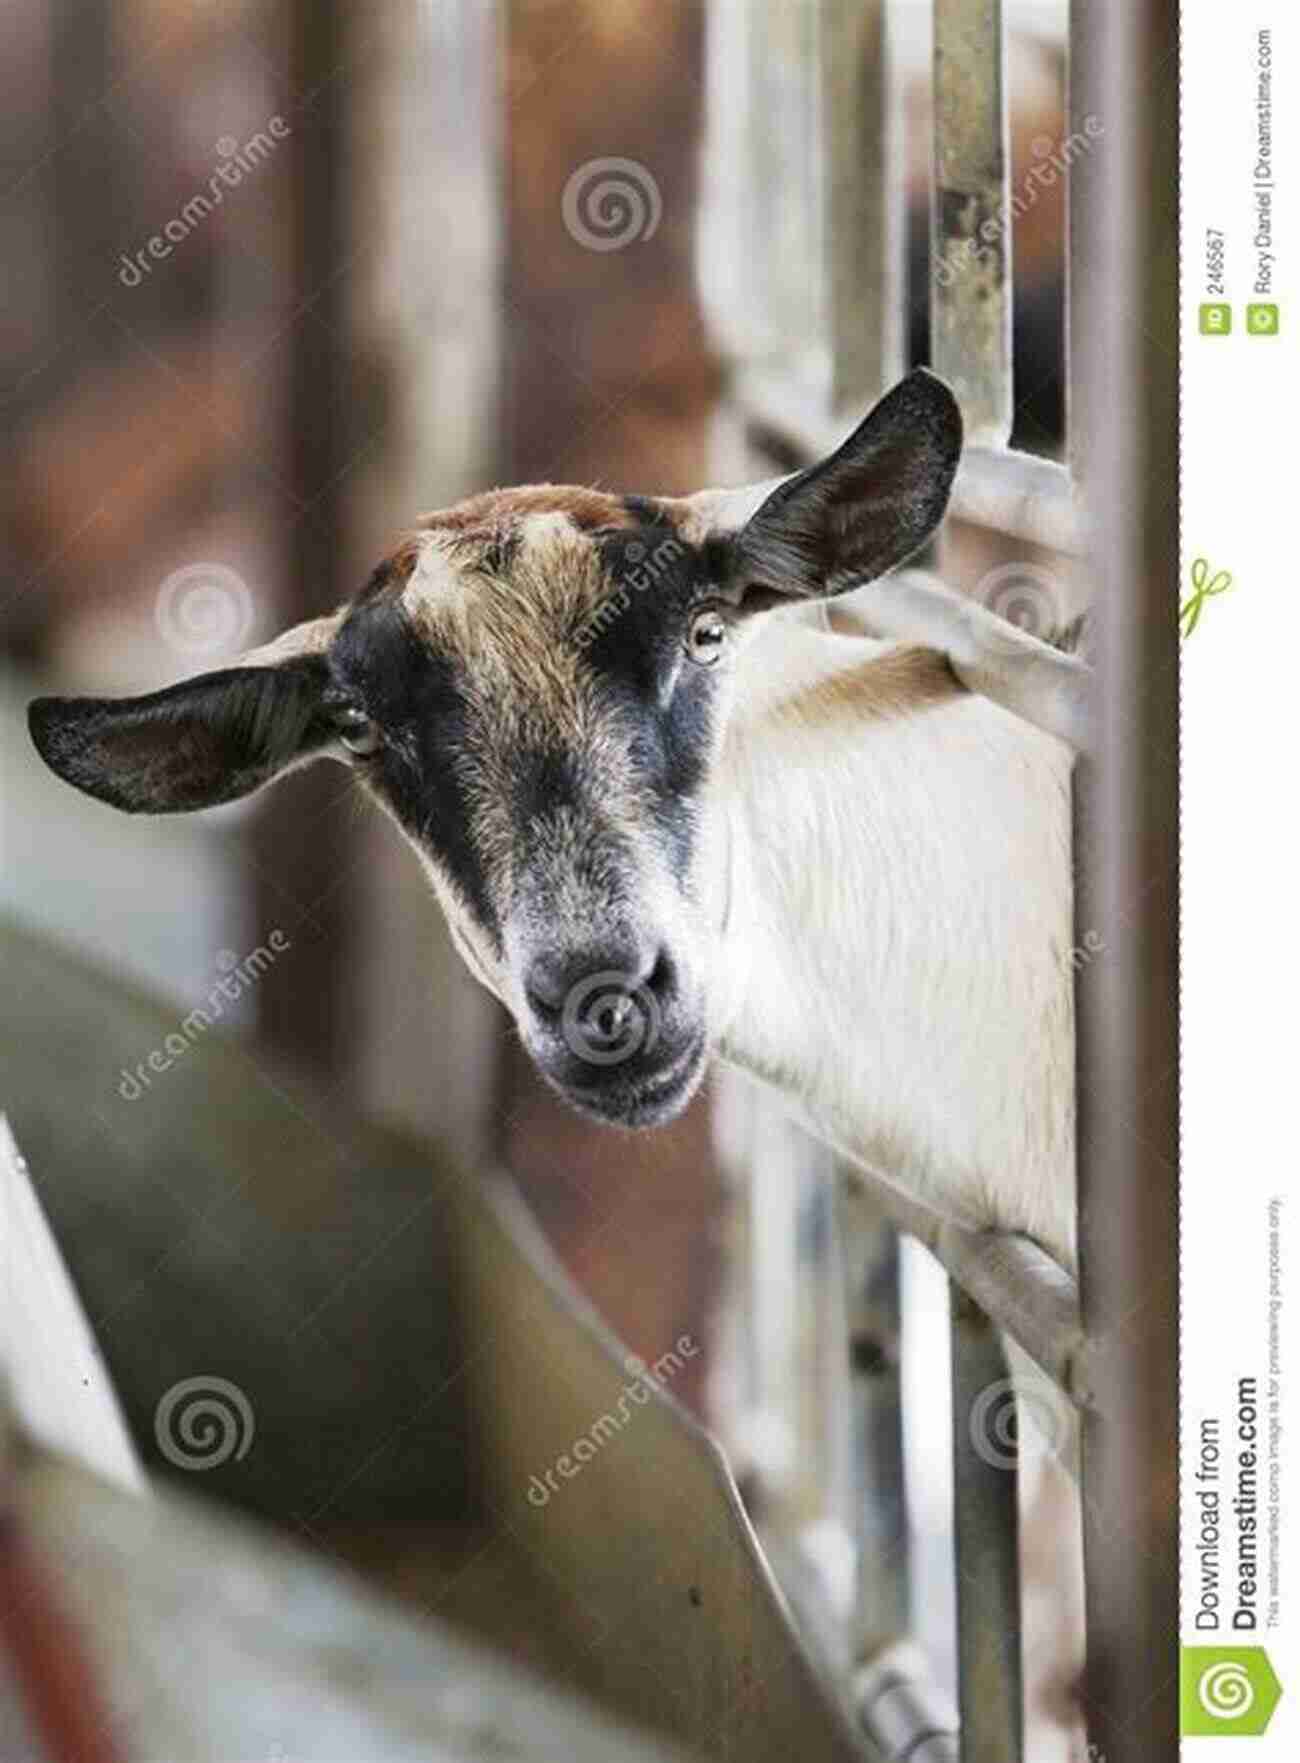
(1204, 588)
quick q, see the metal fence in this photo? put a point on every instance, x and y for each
(808, 207)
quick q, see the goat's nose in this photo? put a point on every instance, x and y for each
(555, 976)
(603, 999)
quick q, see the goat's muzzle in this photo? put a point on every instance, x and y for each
(609, 1028)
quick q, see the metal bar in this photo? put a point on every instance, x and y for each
(1014, 493)
(861, 138)
(905, 1713)
(986, 1529)
(869, 1256)
(1029, 1295)
(1020, 495)
(970, 284)
(785, 219)
(299, 854)
(1123, 426)
(1020, 1287)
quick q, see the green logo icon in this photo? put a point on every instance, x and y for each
(1206, 583)
(1261, 321)
(1216, 320)
(1227, 1692)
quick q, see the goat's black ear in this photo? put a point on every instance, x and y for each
(205, 741)
(862, 511)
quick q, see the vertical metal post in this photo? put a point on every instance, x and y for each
(785, 147)
(1124, 438)
(864, 201)
(970, 278)
(300, 852)
(986, 1530)
(869, 1256)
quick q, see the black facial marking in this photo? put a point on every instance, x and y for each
(414, 695)
(654, 702)
(657, 581)
(546, 778)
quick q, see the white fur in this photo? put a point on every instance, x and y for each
(896, 953)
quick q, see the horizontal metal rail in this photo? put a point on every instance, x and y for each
(1017, 1284)
(1002, 1287)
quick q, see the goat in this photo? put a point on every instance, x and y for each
(667, 819)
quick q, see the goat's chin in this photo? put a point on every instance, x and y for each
(639, 1103)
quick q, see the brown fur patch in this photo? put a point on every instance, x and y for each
(510, 632)
(898, 683)
(587, 509)
(487, 526)
(514, 597)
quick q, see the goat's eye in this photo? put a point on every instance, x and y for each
(358, 733)
(707, 636)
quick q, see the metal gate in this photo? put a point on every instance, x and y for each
(807, 207)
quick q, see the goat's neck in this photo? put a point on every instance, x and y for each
(895, 955)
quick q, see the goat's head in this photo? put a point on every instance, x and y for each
(536, 686)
